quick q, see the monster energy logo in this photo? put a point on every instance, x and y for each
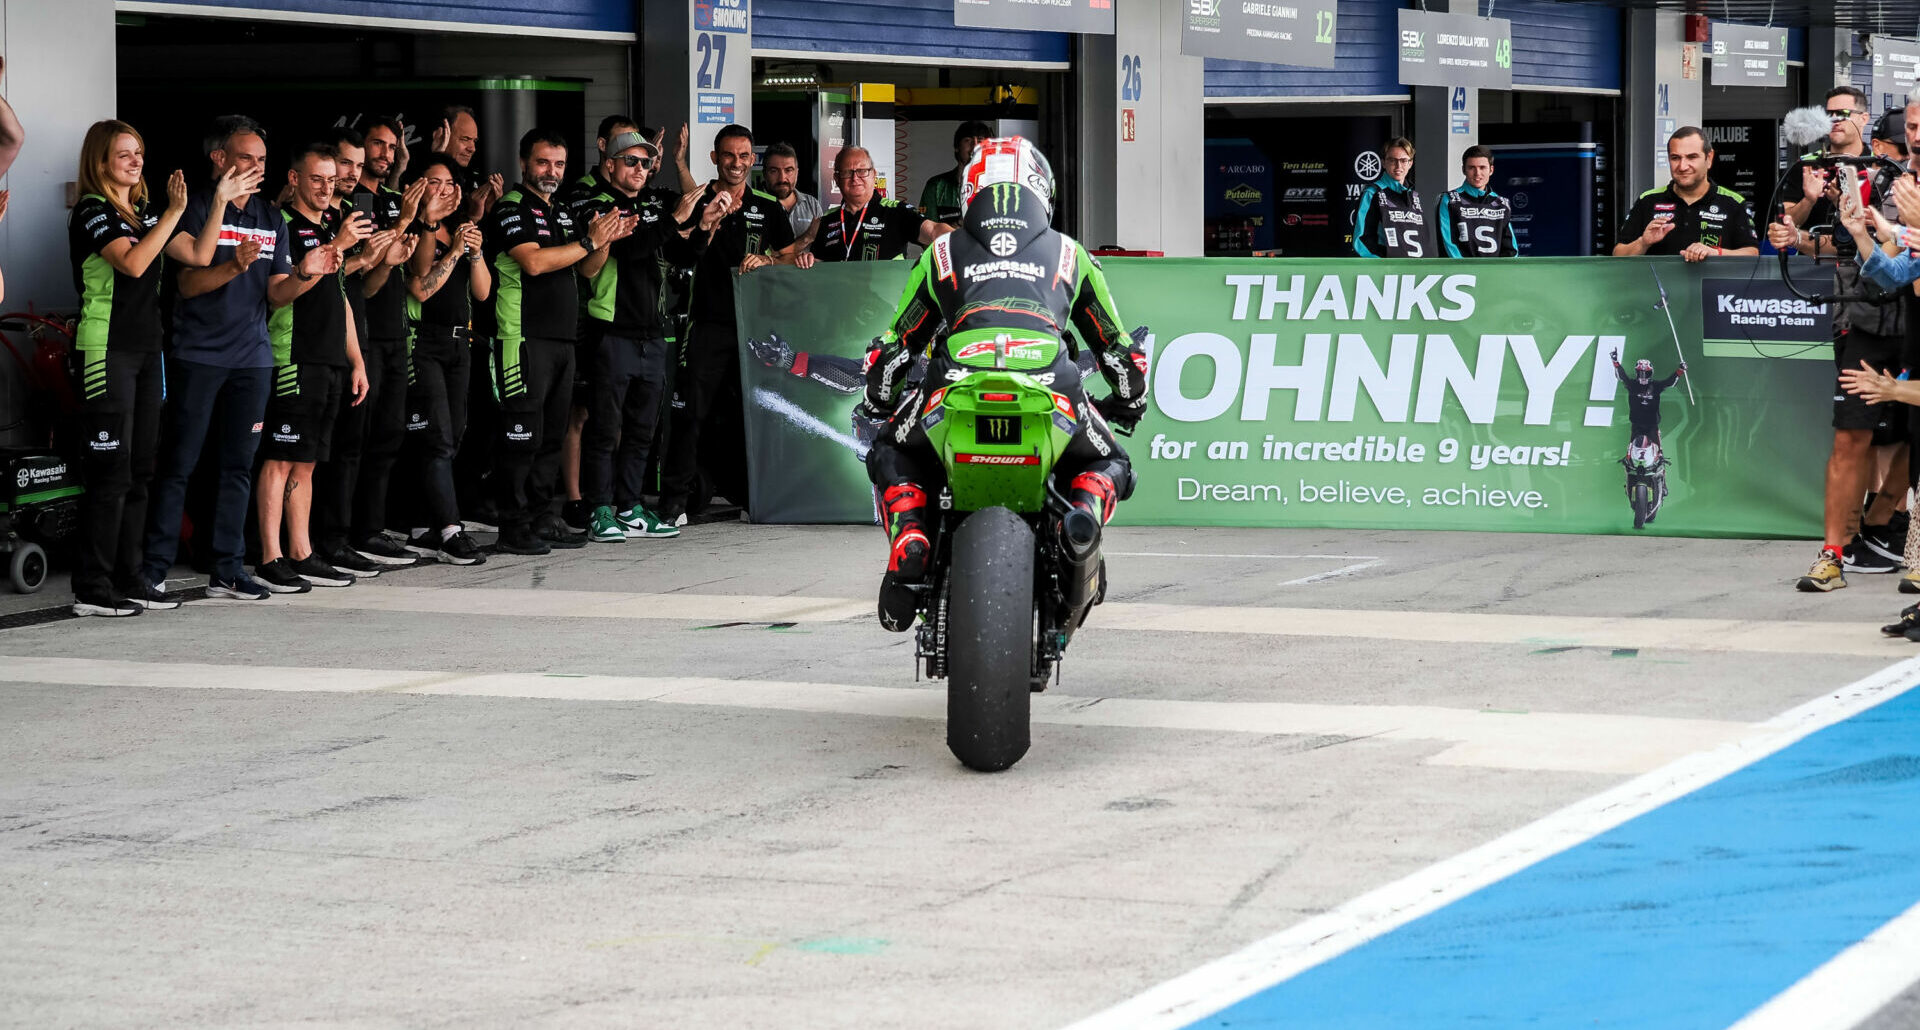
(1004, 197)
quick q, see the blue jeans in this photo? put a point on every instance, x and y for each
(229, 402)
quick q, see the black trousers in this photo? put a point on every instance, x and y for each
(120, 402)
(336, 478)
(706, 447)
(534, 382)
(626, 385)
(386, 430)
(438, 373)
(473, 466)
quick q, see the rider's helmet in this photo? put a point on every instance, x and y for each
(1643, 369)
(1008, 159)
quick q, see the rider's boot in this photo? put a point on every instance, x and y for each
(906, 506)
(1091, 495)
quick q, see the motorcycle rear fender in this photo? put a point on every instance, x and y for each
(982, 474)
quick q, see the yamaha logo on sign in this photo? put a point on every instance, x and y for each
(1003, 244)
(1367, 166)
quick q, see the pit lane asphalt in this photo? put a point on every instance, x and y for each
(265, 846)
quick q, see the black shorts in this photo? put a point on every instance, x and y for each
(1881, 352)
(301, 412)
(584, 349)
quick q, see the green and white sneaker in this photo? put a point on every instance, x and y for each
(604, 528)
(643, 524)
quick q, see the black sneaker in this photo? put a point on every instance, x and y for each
(279, 577)
(240, 588)
(346, 559)
(459, 549)
(381, 550)
(557, 533)
(1883, 541)
(1909, 620)
(108, 605)
(520, 540)
(576, 514)
(1861, 558)
(897, 606)
(424, 543)
(314, 569)
(151, 596)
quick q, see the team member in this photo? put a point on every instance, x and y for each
(1690, 216)
(383, 349)
(316, 368)
(706, 396)
(1390, 222)
(337, 477)
(1805, 197)
(1872, 331)
(535, 247)
(783, 181)
(866, 227)
(1009, 200)
(582, 198)
(940, 199)
(221, 362)
(458, 137)
(448, 273)
(624, 340)
(116, 248)
(1474, 221)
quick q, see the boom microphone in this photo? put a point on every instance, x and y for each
(1805, 125)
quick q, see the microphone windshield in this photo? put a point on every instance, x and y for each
(1805, 125)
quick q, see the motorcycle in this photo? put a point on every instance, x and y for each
(1014, 568)
(1646, 478)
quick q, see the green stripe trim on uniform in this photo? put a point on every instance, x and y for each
(93, 375)
(286, 380)
(1737, 197)
(96, 303)
(508, 289)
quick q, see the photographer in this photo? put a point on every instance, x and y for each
(1868, 326)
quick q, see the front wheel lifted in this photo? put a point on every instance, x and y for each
(990, 640)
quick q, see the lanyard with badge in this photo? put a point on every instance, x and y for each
(859, 223)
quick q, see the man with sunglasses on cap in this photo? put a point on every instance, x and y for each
(623, 337)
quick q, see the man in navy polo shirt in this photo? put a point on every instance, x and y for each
(219, 362)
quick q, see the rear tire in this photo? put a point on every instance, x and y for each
(990, 640)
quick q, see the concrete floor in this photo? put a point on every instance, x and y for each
(741, 822)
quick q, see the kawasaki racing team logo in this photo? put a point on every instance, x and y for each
(1003, 244)
(22, 478)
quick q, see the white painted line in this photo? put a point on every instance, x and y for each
(1706, 635)
(1192, 554)
(1851, 986)
(1335, 574)
(1266, 962)
(1551, 741)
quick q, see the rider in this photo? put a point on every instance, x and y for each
(1643, 396)
(1005, 272)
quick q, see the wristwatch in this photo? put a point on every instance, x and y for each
(587, 243)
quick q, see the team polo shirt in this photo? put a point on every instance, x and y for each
(118, 312)
(313, 329)
(940, 200)
(545, 307)
(625, 296)
(878, 232)
(386, 311)
(1718, 219)
(758, 226)
(227, 327)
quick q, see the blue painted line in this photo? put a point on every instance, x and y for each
(1690, 916)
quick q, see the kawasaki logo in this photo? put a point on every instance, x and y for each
(23, 477)
(26, 477)
(1733, 304)
(997, 459)
(1244, 195)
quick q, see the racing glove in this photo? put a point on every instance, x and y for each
(1122, 415)
(773, 352)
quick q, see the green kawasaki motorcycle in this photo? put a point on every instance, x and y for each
(1014, 568)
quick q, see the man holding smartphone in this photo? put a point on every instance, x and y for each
(1690, 216)
(1868, 328)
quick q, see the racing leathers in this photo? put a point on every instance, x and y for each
(1643, 401)
(1390, 222)
(1004, 276)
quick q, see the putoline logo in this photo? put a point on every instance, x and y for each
(1244, 195)
(1367, 166)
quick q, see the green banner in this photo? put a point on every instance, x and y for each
(1371, 394)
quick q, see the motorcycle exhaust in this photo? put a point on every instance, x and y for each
(1080, 535)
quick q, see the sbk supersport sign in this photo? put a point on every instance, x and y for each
(1389, 394)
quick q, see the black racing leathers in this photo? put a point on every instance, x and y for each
(1643, 401)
